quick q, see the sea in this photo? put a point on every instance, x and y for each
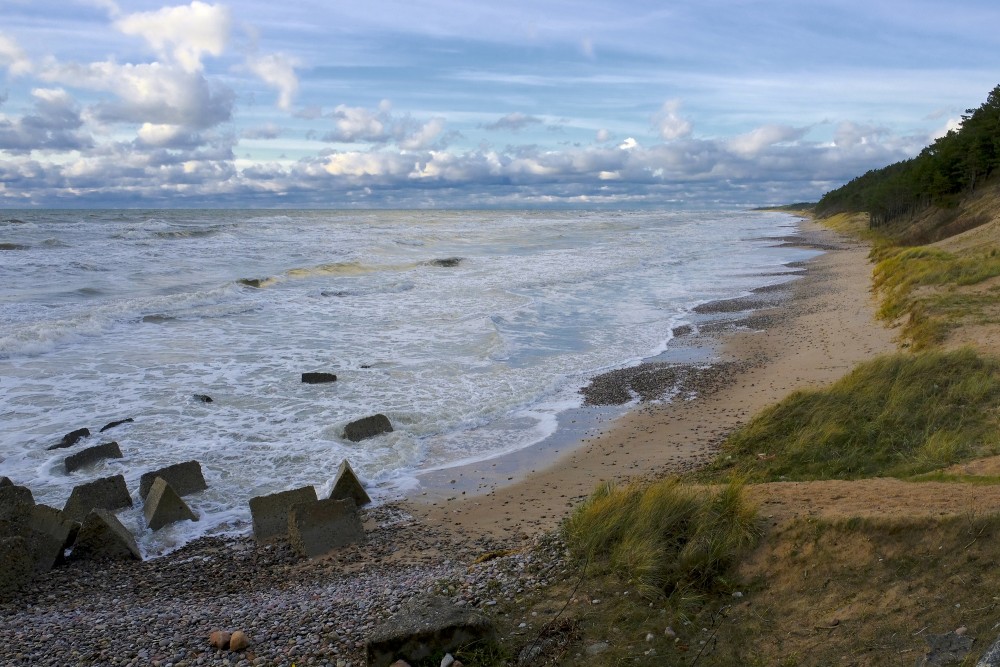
(473, 331)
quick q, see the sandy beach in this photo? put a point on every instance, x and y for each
(825, 327)
(319, 612)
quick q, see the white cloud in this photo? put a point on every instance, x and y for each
(628, 144)
(669, 124)
(183, 34)
(278, 71)
(13, 57)
(756, 140)
(425, 136)
(603, 135)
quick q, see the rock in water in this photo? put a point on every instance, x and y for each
(103, 537)
(107, 450)
(5, 481)
(185, 478)
(270, 513)
(113, 424)
(204, 398)
(163, 506)
(347, 485)
(319, 527)
(318, 378)
(424, 626)
(107, 493)
(367, 427)
(71, 438)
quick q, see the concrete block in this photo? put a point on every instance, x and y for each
(103, 537)
(16, 503)
(347, 485)
(318, 378)
(51, 533)
(319, 527)
(185, 478)
(270, 513)
(107, 493)
(367, 427)
(18, 567)
(107, 450)
(163, 506)
(71, 438)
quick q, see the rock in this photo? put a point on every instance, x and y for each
(238, 641)
(256, 283)
(316, 528)
(185, 478)
(270, 513)
(446, 262)
(110, 425)
(318, 378)
(424, 626)
(71, 438)
(367, 427)
(163, 506)
(991, 657)
(16, 505)
(103, 537)
(220, 639)
(448, 660)
(347, 485)
(5, 481)
(107, 493)
(204, 398)
(400, 663)
(107, 450)
(597, 648)
(50, 534)
(947, 649)
(18, 566)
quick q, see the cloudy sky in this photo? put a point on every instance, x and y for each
(461, 103)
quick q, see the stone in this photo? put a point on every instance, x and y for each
(991, 657)
(947, 649)
(597, 648)
(367, 427)
(50, 534)
(110, 425)
(220, 639)
(103, 537)
(71, 438)
(270, 513)
(425, 626)
(204, 398)
(16, 504)
(163, 506)
(318, 527)
(347, 485)
(185, 478)
(107, 450)
(400, 663)
(238, 641)
(5, 481)
(18, 567)
(107, 493)
(446, 262)
(318, 378)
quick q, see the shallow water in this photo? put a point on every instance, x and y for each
(113, 314)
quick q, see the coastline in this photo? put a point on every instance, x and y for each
(818, 333)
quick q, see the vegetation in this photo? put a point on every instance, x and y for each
(956, 164)
(897, 415)
(667, 538)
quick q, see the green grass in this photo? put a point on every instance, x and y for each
(667, 538)
(898, 415)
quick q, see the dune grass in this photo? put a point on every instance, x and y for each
(898, 415)
(664, 538)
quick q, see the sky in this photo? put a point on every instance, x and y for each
(473, 104)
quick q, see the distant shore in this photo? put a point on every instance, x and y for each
(816, 334)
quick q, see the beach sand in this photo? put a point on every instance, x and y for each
(813, 338)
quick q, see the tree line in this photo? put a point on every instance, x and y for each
(954, 165)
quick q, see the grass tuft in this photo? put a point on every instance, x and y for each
(665, 538)
(898, 415)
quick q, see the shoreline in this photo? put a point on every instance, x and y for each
(818, 333)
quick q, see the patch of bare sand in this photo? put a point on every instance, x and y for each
(818, 336)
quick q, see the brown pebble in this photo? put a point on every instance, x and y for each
(238, 641)
(400, 663)
(219, 639)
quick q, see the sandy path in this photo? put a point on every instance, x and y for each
(825, 330)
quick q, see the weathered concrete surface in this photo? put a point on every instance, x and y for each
(16, 503)
(107, 450)
(347, 485)
(103, 537)
(270, 513)
(319, 527)
(367, 427)
(164, 506)
(318, 378)
(424, 626)
(185, 478)
(107, 493)
(18, 567)
(50, 534)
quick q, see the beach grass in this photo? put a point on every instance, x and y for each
(666, 538)
(898, 415)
